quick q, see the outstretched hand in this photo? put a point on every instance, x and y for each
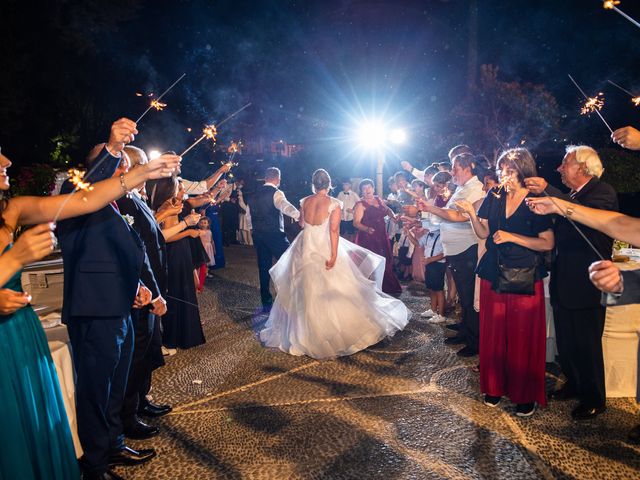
(544, 205)
(34, 244)
(123, 131)
(627, 137)
(606, 276)
(163, 166)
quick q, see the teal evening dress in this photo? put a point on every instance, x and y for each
(35, 439)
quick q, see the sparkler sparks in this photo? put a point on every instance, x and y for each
(591, 104)
(611, 5)
(635, 100)
(156, 102)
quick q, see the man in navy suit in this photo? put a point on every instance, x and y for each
(103, 260)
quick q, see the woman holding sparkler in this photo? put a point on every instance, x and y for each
(512, 318)
(36, 441)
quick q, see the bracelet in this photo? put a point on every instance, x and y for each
(568, 212)
(123, 184)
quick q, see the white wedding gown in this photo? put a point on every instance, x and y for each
(327, 313)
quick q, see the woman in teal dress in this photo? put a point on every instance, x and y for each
(35, 440)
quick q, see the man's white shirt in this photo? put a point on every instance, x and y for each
(349, 200)
(282, 204)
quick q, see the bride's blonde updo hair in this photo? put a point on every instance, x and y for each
(320, 180)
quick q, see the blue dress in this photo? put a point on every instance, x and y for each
(216, 233)
(35, 440)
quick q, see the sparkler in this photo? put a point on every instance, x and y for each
(210, 131)
(76, 178)
(635, 100)
(611, 5)
(592, 104)
(156, 102)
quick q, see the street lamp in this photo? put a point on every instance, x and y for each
(373, 136)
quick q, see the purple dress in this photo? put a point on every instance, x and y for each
(378, 242)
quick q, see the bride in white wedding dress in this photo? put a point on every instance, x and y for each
(329, 300)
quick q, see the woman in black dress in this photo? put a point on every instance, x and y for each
(181, 324)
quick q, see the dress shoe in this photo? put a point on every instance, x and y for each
(153, 410)
(127, 456)
(138, 430)
(108, 475)
(585, 412)
(457, 340)
(467, 352)
(564, 393)
(454, 326)
(634, 435)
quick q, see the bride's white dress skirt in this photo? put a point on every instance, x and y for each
(328, 313)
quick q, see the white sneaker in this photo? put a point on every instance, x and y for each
(168, 351)
(437, 319)
(428, 313)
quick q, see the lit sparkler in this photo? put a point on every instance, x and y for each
(211, 131)
(593, 104)
(155, 103)
(77, 179)
(611, 5)
(635, 100)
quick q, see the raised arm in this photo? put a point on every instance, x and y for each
(34, 210)
(480, 225)
(614, 224)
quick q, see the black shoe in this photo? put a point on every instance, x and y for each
(127, 456)
(585, 412)
(491, 401)
(108, 475)
(457, 340)
(634, 435)
(138, 430)
(467, 352)
(152, 410)
(454, 326)
(562, 394)
(525, 409)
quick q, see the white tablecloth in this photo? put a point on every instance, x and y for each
(620, 346)
(61, 354)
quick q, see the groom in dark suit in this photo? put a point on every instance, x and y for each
(268, 205)
(577, 312)
(103, 260)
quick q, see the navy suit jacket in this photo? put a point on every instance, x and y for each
(570, 286)
(103, 258)
(144, 223)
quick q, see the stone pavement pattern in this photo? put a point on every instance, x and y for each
(406, 408)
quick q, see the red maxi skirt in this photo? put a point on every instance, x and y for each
(513, 344)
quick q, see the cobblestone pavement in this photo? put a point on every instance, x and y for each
(407, 407)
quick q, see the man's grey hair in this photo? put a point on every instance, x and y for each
(588, 158)
(272, 173)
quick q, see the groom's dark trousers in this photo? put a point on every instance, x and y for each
(268, 245)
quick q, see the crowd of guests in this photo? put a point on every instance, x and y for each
(488, 235)
(137, 245)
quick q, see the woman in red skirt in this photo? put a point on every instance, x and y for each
(512, 325)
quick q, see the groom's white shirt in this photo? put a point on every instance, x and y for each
(282, 204)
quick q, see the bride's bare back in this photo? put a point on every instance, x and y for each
(316, 209)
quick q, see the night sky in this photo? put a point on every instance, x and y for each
(310, 69)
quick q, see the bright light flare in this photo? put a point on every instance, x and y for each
(398, 136)
(153, 154)
(371, 134)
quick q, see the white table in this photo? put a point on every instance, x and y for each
(620, 346)
(60, 347)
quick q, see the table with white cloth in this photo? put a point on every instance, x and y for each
(60, 347)
(620, 345)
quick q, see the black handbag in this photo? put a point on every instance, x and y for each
(519, 280)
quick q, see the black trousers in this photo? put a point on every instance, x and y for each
(141, 364)
(463, 268)
(579, 339)
(102, 349)
(268, 245)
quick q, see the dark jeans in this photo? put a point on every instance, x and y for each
(463, 268)
(579, 338)
(141, 364)
(102, 349)
(268, 245)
